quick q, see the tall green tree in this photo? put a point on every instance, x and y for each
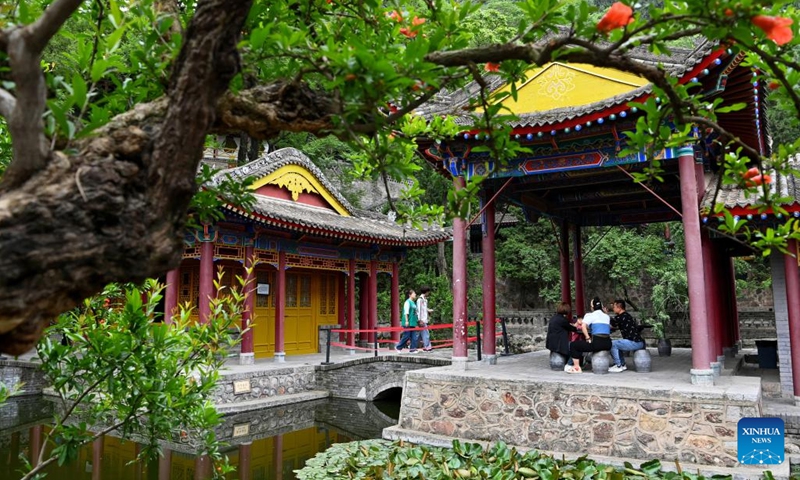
(103, 155)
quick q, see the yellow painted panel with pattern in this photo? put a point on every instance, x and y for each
(559, 85)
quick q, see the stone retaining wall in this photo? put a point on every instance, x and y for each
(695, 428)
(265, 384)
(530, 327)
(13, 372)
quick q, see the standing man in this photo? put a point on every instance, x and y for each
(631, 338)
(409, 322)
(422, 312)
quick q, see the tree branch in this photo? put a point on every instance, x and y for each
(24, 46)
(42, 30)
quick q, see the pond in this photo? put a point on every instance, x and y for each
(263, 444)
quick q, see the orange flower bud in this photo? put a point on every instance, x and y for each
(492, 67)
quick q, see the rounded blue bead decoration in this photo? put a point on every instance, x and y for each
(529, 136)
(705, 219)
(763, 216)
(552, 132)
(578, 128)
(600, 121)
(717, 62)
(623, 114)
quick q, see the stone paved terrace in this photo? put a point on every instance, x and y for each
(614, 417)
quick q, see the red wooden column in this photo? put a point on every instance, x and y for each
(489, 280)
(363, 308)
(720, 295)
(351, 302)
(35, 442)
(564, 257)
(245, 469)
(165, 464)
(711, 300)
(341, 309)
(701, 372)
(280, 308)
(277, 455)
(202, 467)
(580, 301)
(373, 300)
(247, 357)
(793, 307)
(97, 458)
(171, 294)
(206, 290)
(459, 360)
(395, 301)
(734, 307)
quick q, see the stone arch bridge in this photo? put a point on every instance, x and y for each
(367, 378)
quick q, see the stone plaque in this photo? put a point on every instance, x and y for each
(241, 386)
(241, 430)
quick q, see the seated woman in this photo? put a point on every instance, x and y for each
(599, 323)
(558, 331)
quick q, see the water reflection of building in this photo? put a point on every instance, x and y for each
(277, 442)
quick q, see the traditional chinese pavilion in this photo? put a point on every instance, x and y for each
(311, 248)
(572, 118)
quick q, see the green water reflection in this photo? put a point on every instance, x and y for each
(268, 444)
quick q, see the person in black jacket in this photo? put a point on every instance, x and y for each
(558, 331)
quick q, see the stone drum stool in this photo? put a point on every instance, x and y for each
(557, 361)
(600, 362)
(642, 360)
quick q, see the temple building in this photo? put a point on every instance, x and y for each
(312, 252)
(579, 172)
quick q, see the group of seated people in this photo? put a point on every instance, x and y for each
(594, 331)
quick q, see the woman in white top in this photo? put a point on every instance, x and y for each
(598, 323)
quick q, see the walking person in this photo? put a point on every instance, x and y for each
(422, 313)
(631, 338)
(409, 323)
(599, 324)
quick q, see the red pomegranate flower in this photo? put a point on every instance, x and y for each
(417, 21)
(492, 67)
(408, 32)
(776, 28)
(617, 16)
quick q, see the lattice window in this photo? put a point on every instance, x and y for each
(362, 267)
(327, 295)
(323, 294)
(266, 256)
(263, 301)
(191, 252)
(293, 260)
(305, 291)
(228, 252)
(332, 294)
(385, 267)
(189, 285)
(291, 290)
